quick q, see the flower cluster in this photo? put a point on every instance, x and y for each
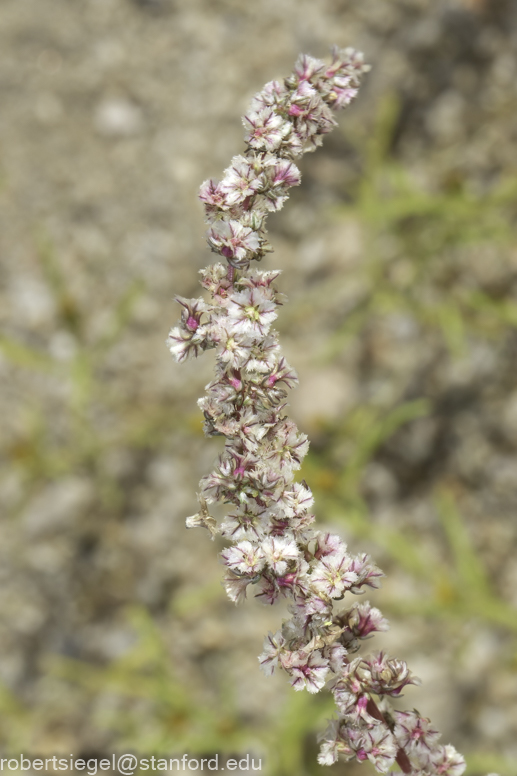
(275, 549)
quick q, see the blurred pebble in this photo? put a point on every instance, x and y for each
(62, 345)
(57, 506)
(118, 118)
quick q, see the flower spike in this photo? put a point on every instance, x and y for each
(276, 552)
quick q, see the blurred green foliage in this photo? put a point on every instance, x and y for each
(41, 453)
(154, 709)
(422, 230)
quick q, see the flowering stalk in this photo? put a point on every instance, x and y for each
(275, 549)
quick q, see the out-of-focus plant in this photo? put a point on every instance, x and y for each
(425, 230)
(156, 711)
(43, 450)
(417, 245)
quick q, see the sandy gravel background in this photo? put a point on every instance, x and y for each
(112, 114)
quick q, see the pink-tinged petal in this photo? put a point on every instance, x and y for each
(307, 67)
(309, 672)
(274, 646)
(447, 762)
(236, 588)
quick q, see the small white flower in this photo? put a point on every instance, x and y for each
(265, 129)
(332, 575)
(335, 654)
(414, 732)
(214, 198)
(183, 343)
(309, 672)
(328, 544)
(264, 355)
(241, 180)
(328, 753)
(236, 588)
(244, 523)
(244, 558)
(308, 67)
(273, 94)
(297, 500)
(274, 646)
(447, 761)
(279, 552)
(234, 346)
(380, 747)
(288, 448)
(251, 312)
(233, 240)
(364, 619)
(368, 573)
(333, 744)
